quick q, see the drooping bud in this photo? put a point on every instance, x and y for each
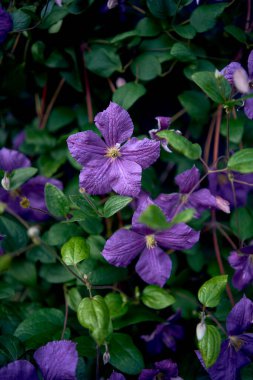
(5, 182)
(201, 330)
(34, 233)
(112, 4)
(120, 82)
(106, 356)
(241, 81)
(222, 204)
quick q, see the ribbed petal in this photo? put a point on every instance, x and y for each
(168, 203)
(125, 177)
(122, 247)
(143, 203)
(86, 146)
(163, 122)
(167, 367)
(241, 317)
(6, 24)
(12, 159)
(57, 360)
(18, 370)
(148, 374)
(95, 177)
(244, 269)
(228, 71)
(187, 180)
(178, 237)
(248, 108)
(250, 64)
(154, 266)
(144, 152)
(247, 348)
(115, 124)
(201, 200)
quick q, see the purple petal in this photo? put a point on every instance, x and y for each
(18, 140)
(143, 203)
(168, 203)
(202, 200)
(18, 370)
(95, 176)
(57, 360)
(148, 374)
(154, 340)
(12, 159)
(163, 122)
(154, 266)
(6, 24)
(248, 108)
(116, 376)
(178, 237)
(144, 152)
(86, 146)
(247, 250)
(115, 124)
(244, 269)
(247, 347)
(229, 70)
(125, 177)
(122, 247)
(241, 317)
(187, 180)
(167, 367)
(250, 64)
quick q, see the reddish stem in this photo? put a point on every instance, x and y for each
(217, 136)
(87, 90)
(51, 104)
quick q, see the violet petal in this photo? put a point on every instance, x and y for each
(241, 316)
(187, 180)
(250, 64)
(144, 152)
(248, 108)
(125, 177)
(94, 177)
(12, 159)
(228, 71)
(178, 237)
(18, 370)
(6, 24)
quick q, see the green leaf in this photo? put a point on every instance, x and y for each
(55, 273)
(6, 291)
(146, 67)
(16, 235)
(115, 204)
(116, 305)
(93, 314)
(11, 347)
(128, 94)
(21, 20)
(59, 233)
(156, 298)
(193, 101)
(154, 218)
(75, 250)
(57, 14)
(24, 271)
(211, 291)
(20, 176)
(241, 223)
(185, 31)
(136, 314)
(40, 327)
(204, 17)
(56, 201)
(236, 129)
(86, 346)
(181, 144)
(59, 118)
(182, 52)
(147, 27)
(124, 355)
(242, 161)
(184, 216)
(73, 298)
(209, 345)
(217, 88)
(162, 8)
(236, 32)
(103, 61)
(102, 273)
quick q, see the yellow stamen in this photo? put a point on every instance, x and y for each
(150, 241)
(113, 152)
(236, 342)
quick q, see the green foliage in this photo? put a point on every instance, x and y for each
(241, 223)
(103, 61)
(216, 87)
(115, 204)
(20, 176)
(128, 94)
(156, 298)
(204, 17)
(57, 203)
(211, 291)
(75, 250)
(154, 218)
(242, 161)
(116, 305)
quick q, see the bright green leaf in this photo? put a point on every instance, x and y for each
(20, 176)
(146, 67)
(211, 291)
(56, 201)
(75, 250)
(209, 345)
(115, 204)
(242, 161)
(217, 88)
(154, 218)
(128, 94)
(156, 298)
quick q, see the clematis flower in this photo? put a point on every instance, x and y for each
(56, 361)
(166, 369)
(189, 196)
(236, 193)
(108, 165)
(243, 81)
(242, 262)
(154, 265)
(237, 350)
(165, 334)
(6, 24)
(12, 159)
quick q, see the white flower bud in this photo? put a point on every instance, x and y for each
(33, 232)
(241, 81)
(5, 182)
(120, 82)
(112, 4)
(217, 74)
(106, 357)
(222, 204)
(201, 330)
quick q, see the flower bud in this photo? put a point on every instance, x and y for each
(5, 182)
(201, 330)
(120, 82)
(106, 357)
(222, 204)
(112, 4)
(33, 232)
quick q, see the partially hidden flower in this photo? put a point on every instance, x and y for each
(165, 369)
(234, 187)
(56, 360)
(12, 159)
(117, 376)
(108, 165)
(242, 262)
(165, 335)
(154, 265)
(163, 123)
(190, 196)
(242, 81)
(237, 350)
(6, 24)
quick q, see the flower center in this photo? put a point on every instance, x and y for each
(236, 342)
(150, 241)
(113, 152)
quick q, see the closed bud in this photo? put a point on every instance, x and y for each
(222, 204)
(5, 182)
(120, 82)
(201, 330)
(34, 233)
(106, 357)
(112, 4)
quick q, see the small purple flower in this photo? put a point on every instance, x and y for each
(154, 265)
(116, 376)
(166, 369)
(243, 81)
(189, 196)
(56, 360)
(242, 262)
(220, 184)
(165, 334)
(108, 165)
(163, 123)
(6, 24)
(237, 350)
(12, 159)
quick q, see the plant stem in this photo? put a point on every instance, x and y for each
(66, 312)
(51, 104)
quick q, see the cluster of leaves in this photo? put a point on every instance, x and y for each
(60, 65)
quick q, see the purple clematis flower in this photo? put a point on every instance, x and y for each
(165, 334)
(12, 159)
(163, 123)
(242, 262)
(154, 265)
(166, 369)
(220, 184)
(108, 165)
(243, 81)
(6, 24)
(56, 360)
(189, 196)
(117, 376)
(237, 350)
